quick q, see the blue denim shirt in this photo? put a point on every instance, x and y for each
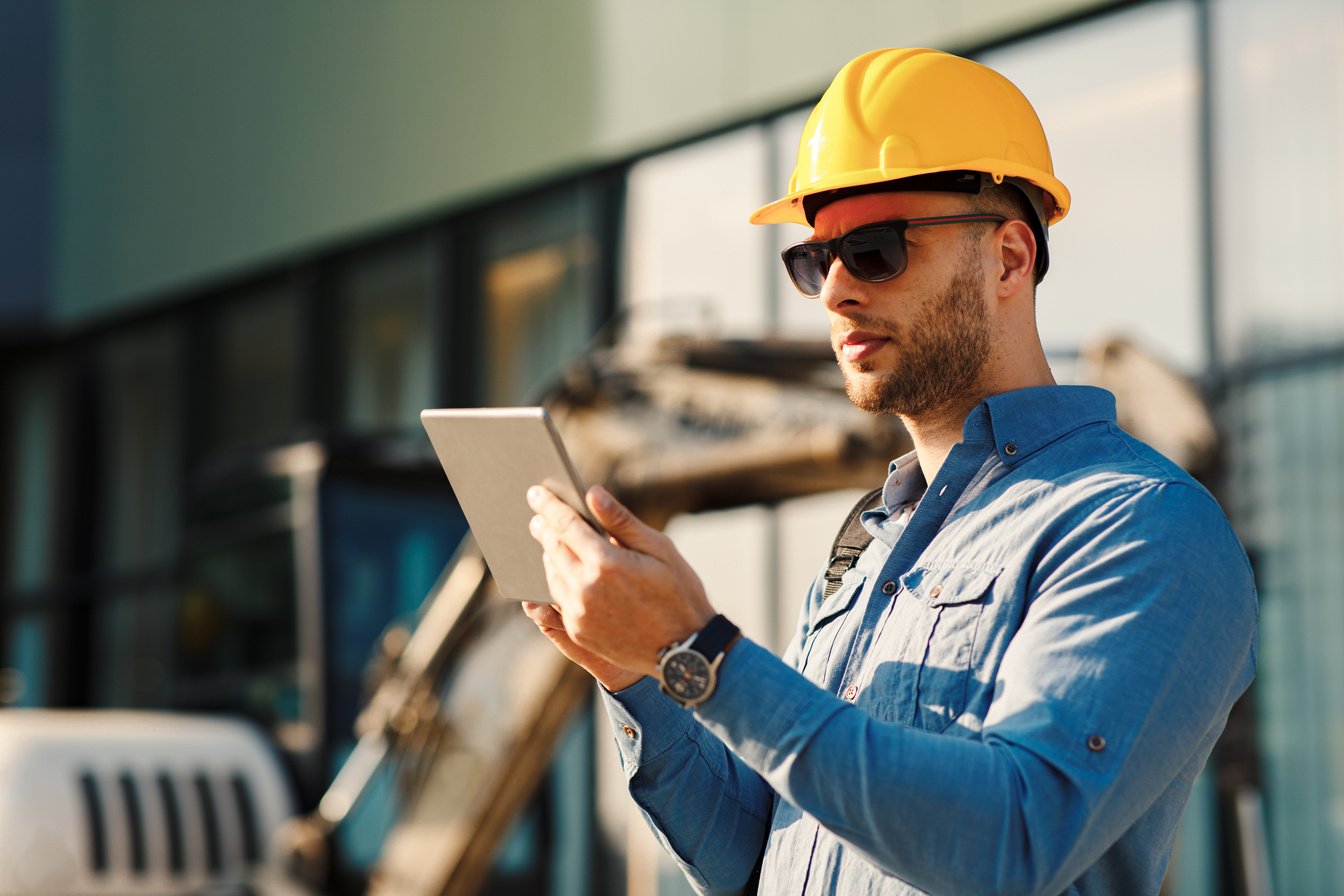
(1012, 691)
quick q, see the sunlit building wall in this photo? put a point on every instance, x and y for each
(262, 224)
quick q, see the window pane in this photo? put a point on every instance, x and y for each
(385, 547)
(1279, 120)
(796, 317)
(1118, 98)
(1287, 445)
(31, 402)
(235, 637)
(139, 381)
(538, 278)
(133, 628)
(32, 666)
(253, 377)
(693, 263)
(388, 324)
(23, 659)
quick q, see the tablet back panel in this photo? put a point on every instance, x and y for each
(492, 456)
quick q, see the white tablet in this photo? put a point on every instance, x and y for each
(492, 456)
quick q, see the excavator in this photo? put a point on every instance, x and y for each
(467, 704)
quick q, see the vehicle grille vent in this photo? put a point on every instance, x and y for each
(206, 822)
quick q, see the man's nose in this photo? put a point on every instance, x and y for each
(841, 289)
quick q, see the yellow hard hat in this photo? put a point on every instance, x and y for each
(892, 115)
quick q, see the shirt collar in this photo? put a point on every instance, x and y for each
(903, 488)
(1024, 421)
(1017, 423)
(905, 481)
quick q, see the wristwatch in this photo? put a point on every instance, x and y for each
(688, 672)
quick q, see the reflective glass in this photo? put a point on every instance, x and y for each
(692, 262)
(388, 323)
(236, 632)
(1279, 201)
(794, 318)
(139, 423)
(133, 628)
(31, 404)
(385, 547)
(1287, 491)
(23, 659)
(1118, 97)
(538, 280)
(253, 375)
(139, 400)
(1278, 116)
(235, 627)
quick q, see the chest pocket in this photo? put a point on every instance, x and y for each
(944, 610)
(819, 655)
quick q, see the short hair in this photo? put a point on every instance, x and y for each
(1010, 202)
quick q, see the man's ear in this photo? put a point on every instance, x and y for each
(1017, 256)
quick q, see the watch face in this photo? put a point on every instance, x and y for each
(686, 674)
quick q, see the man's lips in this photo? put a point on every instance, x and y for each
(860, 344)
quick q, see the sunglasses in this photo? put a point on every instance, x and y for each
(872, 253)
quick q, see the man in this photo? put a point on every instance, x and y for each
(1014, 687)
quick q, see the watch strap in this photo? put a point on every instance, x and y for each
(714, 638)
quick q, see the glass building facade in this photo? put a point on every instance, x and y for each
(1201, 141)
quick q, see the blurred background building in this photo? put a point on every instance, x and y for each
(251, 236)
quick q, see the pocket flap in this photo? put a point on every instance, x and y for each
(942, 586)
(838, 604)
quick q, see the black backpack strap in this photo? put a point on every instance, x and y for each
(850, 541)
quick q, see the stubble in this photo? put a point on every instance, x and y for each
(940, 354)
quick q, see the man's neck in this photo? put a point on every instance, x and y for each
(934, 434)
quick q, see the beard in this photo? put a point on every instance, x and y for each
(939, 356)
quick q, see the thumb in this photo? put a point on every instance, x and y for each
(620, 523)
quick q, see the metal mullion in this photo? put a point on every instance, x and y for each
(1207, 186)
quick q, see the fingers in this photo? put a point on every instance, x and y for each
(544, 615)
(556, 551)
(569, 528)
(620, 600)
(617, 519)
(563, 569)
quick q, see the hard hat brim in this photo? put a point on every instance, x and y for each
(789, 209)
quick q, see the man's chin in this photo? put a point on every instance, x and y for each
(871, 392)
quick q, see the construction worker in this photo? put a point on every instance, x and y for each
(1025, 644)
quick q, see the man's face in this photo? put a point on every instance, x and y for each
(917, 343)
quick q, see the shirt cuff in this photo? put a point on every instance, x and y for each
(645, 722)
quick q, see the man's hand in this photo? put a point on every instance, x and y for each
(609, 675)
(620, 600)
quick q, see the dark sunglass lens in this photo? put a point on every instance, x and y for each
(874, 253)
(807, 265)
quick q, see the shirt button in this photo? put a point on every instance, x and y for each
(851, 692)
(889, 588)
(1010, 448)
(629, 732)
(935, 590)
(1096, 743)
